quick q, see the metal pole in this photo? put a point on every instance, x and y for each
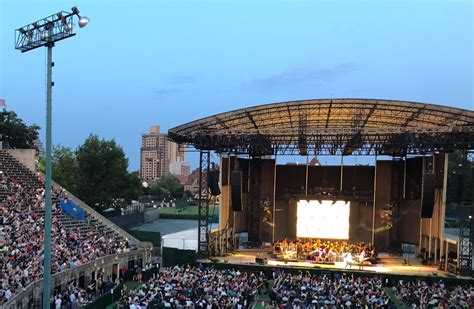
(373, 203)
(47, 183)
(274, 199)
(342, 173)
(306, 179)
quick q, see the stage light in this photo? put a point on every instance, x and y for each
(43, 34)
(22, 31)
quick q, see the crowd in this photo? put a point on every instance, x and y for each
(323, 250)
(21, 238)
(304, 290)
(197, 287)
(200, 287)
(208, 288)
(72, 297)
(423, 294)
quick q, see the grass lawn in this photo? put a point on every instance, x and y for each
(189, 210)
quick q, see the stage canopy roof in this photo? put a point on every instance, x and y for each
(333, 127)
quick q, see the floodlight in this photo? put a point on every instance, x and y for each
(83, 21)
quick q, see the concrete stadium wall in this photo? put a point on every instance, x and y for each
(130, 220)
(109, 265)
(25, 157)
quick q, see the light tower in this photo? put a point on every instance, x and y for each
(45, 32)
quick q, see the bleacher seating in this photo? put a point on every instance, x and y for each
(14, 169)
(76, 241)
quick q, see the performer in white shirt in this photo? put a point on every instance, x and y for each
(348, 259)
(361, 260)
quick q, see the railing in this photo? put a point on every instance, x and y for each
(33, 292)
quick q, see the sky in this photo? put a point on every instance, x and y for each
(150, 62)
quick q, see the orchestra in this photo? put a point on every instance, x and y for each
(324, 251)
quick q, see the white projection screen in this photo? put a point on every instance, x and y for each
(322, 219)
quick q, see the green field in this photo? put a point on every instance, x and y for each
(188, 210)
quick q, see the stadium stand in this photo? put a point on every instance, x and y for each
(78, 241)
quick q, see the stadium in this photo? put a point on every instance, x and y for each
(305, 235)
(300, 154)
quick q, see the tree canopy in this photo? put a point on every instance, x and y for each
(167, 186)
(97, 173)
(15, 133)
(64, 166)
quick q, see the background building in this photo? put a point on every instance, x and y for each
(180, 169)
(158, 155)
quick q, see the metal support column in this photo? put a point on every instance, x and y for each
(274, 199)
(203, 216)
(466, 228)
(47, 182)
(465, 240)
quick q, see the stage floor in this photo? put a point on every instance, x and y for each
(388, 264)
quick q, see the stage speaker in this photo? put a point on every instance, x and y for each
(261, 261)
(213, 182)
(236, 187)
(428, 196)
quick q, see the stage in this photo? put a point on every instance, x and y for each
(389, 265)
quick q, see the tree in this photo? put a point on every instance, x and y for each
(102, 176)
(65, 169)
(187, 194)
(134, 188)
(460, 182)
(167, 185)
(15, 133)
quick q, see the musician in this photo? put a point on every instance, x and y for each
(331, 255)
(299, 249)
(348, 259)
(361, 259)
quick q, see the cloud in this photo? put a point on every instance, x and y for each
(161, 92)
(176, 84)
(181, 79)
(303, 75)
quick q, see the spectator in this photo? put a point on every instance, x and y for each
(21, 238)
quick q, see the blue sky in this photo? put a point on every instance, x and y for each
(141, 63)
